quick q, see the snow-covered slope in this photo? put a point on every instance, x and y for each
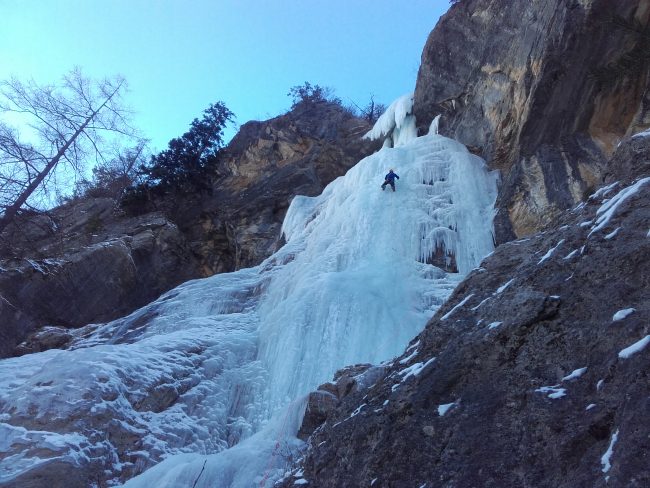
(226, 361)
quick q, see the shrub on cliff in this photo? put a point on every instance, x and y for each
(189, 158)
(188, 162)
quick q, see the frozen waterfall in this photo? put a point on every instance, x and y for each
(208, 378)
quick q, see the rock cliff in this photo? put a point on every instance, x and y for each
(543, 90)
(533, 374)
(88, 261)
(83, 263)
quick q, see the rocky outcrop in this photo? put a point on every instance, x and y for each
(534, 373)
(543, 90)
(266, 165)
(101, 266)
(327, 398)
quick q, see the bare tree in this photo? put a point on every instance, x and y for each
(64, 128)
(371, 112)
(110, 179)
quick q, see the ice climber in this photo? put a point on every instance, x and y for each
(390, 180)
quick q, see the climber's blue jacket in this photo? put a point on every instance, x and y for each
(391, 177)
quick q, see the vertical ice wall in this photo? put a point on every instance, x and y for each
(351, 285)
(356, 292)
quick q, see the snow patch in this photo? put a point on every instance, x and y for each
(606, 459)
(608, 209)
(494, 325)
(473, 309)
(621, 314)
(612, 234)
(645, 133)
(575, 374)
(409, 357)
(435, 123)
(502, 288)
(601, 192)
(554, 391)
(459, 305)
(590, 406)
(443, 409)
(570, 255)
(414, 369)
(550, 252)
(634, 348)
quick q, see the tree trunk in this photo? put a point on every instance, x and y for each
(12, 210)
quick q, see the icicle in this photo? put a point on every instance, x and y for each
(394, 118)
(435, 123)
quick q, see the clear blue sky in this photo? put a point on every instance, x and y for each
(179, 56)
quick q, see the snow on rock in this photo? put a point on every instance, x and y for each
(473, 309)
(621, 314)
(550, 252)
(608, 209)
(590, 406)
(494, 325)
(457, 306)
(409, 357)
(554, 391)
(502, 288)
(415, 369)
(601, 192)
(605, 460)
(571, 254)
(575, 374)
(612, 234)
(443, 409)
(634, 348)
(645, 133)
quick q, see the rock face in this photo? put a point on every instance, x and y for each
(534, 374)
(543, 90)
(95, 266)
(89, 262)
(267, 164)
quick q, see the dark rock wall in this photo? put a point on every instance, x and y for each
(96, 266)
(543, 90)
(497, 396)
